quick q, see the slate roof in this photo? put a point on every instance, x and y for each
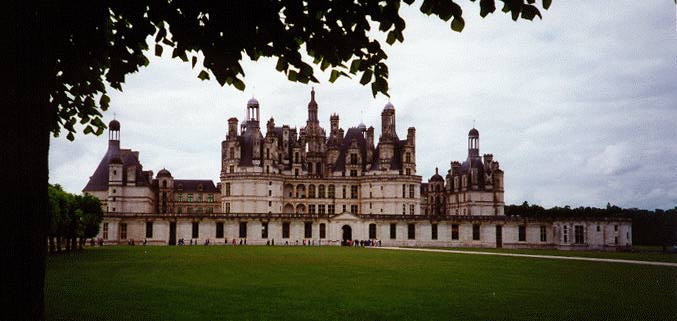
(191, 185)
(99, 180)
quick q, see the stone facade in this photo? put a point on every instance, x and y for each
(310, 185)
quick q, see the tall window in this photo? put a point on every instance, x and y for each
(331, 191)
(199, 197)
(404, 209)
(433, 231)
(343, 208)
(353, 159)
(320, 209)
(565, 234)
(372, 231)
(243, 229)
(393, 231)
(149, 230)
(311, 209)
(123, 231)
(196, 229)
(227, 189)
(343, 188)
(285, 230)
(190, 198)
(476, 232)
(323, 230)
(411, 190)
(454, 231)
(231, 153)
(353, 173)
(544, 237)
(311, 191)
(579, 237)
(227, 209)
(411, 209)
(320, 191)
(219, 230)
(411, 231)
(404, 190)
(179, 197)
(353, 209)
(407, 157)
(353, 191)
(105, 231)
(331, 209)
(308, 230)
(408, 171)
(231, 169)
(522, 233)
(210, 198)
(264, 230)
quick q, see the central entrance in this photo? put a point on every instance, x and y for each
(347, 234)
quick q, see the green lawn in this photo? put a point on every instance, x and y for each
(641, 253)
(330, 283)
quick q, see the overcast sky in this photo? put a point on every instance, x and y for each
(579, 108)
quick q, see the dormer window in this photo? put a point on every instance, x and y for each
(199, 187)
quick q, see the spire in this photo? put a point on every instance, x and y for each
(437, 171)
(312, 107)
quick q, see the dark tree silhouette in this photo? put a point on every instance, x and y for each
(67, 52)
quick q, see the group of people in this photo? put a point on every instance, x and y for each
(271, 242)
(362, 243)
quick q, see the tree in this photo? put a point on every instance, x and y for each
(90, 215)
(66, 53)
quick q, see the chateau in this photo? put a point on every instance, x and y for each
(289, 186)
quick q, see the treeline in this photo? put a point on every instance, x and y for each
(658, 227)
(72, 219)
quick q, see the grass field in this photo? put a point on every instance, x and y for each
(329, 283)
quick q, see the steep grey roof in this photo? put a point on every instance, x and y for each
(99, 180)
(358, 136)
(246, 145)
(191, 185)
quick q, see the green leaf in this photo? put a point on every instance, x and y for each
(239, 84)
(292, 75)
(104, 102)
(334, 75)
(354, 66)
(391, 37)
(529, 12)
(281, 64)
(366, 77)
(546, 4)
(88, 130)
(457, 24)
(204, 75)
(158, 50)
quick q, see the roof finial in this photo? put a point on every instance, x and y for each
(437, 171)
(473, 123)
(312, 93)
(114, 114)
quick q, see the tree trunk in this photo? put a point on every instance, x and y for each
(25, 146)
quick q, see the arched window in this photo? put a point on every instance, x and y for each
(331, 191)
(320, 191)
(164, 184)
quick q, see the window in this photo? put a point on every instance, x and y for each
(243, 229)
(408, 171)
(404, 191)
(190, 198)
(579, 237)
(149, 230)
(231, 169)
(344, 191)
(615, 239)
(311, 191)
(598, 229)
(179, 197)
(296, 157)
(296, 172)
(123, 231)
(331, 191)
(454, 231)
(372, 231)
(411, 231)
(476, 232)
(544, 236)
(105, 231)
(308, 230)
(615, 228)
(353, 159)
(227, 210)
(565, 234)
(323, 230)
(353, 209)
(433, 231)
(320, 191)
(411, 209)
(311, 209)
(331, 209)
(411, 190)
(231, 153)
(199, 197)
(404, 209)
(353, 191)
(209, 210)
(219, 230)
(353, 173)
(407, 157)
(196, 229)
(343, 208)
(210, 198)
(189, 210)
(179, 210)
(320, 209)
(285, 230)
(227, 189)
(393, 231)
(264, 230)
(522, 233)
(270, 203)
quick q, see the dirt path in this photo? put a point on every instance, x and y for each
(576, 258)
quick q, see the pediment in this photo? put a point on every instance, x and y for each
(345, 217)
